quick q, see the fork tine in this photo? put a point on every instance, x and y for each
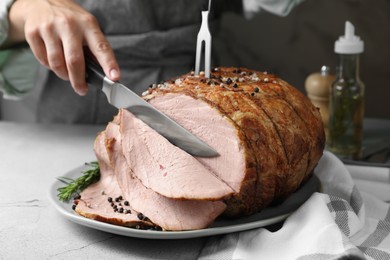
(198, 54)
(207, 56)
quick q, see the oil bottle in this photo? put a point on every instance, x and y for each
(346, 99)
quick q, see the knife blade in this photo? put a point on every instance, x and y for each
(120, 96)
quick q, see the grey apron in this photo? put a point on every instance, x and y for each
(153, 40)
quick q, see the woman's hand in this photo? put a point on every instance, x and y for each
(57, 31)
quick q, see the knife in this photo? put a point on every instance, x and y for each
(120, 96)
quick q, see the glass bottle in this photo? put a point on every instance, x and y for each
(346, 100)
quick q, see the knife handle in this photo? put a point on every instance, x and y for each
(94, 73)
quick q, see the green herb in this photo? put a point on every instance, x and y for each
(72, 187)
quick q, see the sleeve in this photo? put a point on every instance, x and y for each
(4, 6)
(18, 72)
(18, 66)
(277, 7)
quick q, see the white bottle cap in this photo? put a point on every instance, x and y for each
(349, 43)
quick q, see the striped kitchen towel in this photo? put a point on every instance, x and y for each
(340, 222)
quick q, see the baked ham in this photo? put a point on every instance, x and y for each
(268, 134)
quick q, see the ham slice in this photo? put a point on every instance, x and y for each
(165, 168)
(156, 210)
(94, 202)
(169, 214)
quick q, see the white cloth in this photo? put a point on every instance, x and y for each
(337, 223)
(372, 179)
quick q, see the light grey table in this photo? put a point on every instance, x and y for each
(31, 157)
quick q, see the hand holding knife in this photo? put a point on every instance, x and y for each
(120, 96)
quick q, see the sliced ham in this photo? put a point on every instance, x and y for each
(118, 180)
(165, 168)
(94, 202)
(268, 134)
(169, 214)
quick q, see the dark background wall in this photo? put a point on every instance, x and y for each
(295, 46)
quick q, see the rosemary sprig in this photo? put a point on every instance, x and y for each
(74, 186)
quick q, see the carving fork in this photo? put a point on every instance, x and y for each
(204, 36)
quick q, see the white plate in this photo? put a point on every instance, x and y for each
(268, 216)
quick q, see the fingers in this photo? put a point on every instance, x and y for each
(74, 58)
(37, 46)
(98, 45)
(58, 37)
(75, 63)
(55, 54)
(102, 51)
(61, 54)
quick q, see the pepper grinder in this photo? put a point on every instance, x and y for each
(317, 87)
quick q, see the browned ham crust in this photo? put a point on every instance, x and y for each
(280, 130)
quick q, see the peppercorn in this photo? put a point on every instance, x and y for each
(229, 81)
(126, 203)
(74, 206)
(140, 216)
(109, 199)
(120, 210)
(235, 85)
(77, 197)
(256, 89)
